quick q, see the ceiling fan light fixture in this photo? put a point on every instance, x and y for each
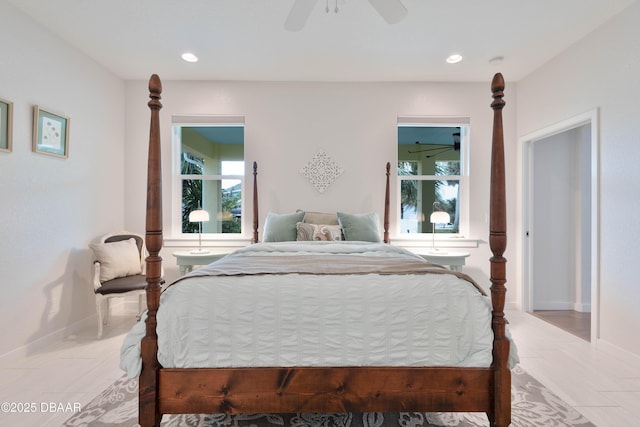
(335, 9)
(454, 59)
(496, 60)
(392, 11)
(189, 57)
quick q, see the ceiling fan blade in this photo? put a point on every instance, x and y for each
(299, 14)
(392, 11)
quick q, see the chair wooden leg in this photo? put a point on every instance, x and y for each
(107, 310)
(99, 311)
(142, 305)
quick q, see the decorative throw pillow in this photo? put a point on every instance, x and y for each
(321, 218)
(305, 232)
(117, 259)
(281, 227)
(331, 232)
(361, 227)
(308, 232)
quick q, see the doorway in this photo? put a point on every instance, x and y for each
(560, 224)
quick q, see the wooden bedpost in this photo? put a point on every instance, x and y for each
(149, 414)
(386, 205)
(501, 411)
(255, 203)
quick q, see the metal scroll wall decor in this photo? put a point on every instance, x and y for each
(321, 171)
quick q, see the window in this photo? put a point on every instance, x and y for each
(209, 174)
(431, 176)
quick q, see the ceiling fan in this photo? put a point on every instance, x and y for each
(440, 148)
(392, 11)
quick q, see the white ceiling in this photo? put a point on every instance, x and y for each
(246, 39)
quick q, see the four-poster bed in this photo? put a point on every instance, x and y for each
(292, 389)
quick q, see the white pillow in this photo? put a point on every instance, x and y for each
(117, 259)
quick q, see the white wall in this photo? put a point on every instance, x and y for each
(355, 123)
(52, 208)
(601, 71)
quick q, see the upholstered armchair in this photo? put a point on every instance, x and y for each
(118, 271)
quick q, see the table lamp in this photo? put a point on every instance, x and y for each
(199, 216)
(437, 217)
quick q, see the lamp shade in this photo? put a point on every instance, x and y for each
(440, 217)
(199, 215)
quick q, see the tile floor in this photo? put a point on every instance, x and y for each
(604, 388)
(70, 372)
(73, 371)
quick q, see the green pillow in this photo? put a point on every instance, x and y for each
(281, 227)
(361, 227)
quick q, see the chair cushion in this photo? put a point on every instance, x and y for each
(122, 284)
(117, 259)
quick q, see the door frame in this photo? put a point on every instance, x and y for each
(526, 167)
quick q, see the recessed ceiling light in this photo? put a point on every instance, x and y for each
(189, 57)
(455, 58)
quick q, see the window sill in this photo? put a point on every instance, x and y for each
(417, 242)
(207, 242)
(440, 242)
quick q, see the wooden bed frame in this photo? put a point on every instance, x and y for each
(326, 389)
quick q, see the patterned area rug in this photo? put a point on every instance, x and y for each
(532, 405)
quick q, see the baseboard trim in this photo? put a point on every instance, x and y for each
(514, 306)
(553, 305)
(90, 322)
(582, 307)
(37, 344)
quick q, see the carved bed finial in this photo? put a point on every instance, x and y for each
(155, 85)
(497, 87)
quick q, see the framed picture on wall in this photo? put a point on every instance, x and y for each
(6, 123)
(50, 133)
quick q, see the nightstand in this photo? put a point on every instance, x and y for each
(187, 259)
(454, 259)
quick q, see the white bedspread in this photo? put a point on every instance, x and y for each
(319, 320)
